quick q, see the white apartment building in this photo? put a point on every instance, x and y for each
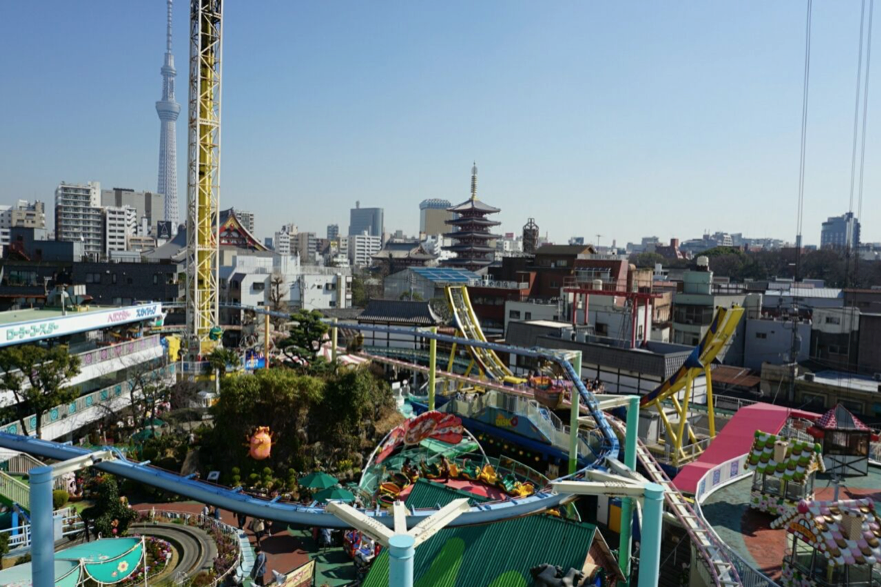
(254, 280)
(362, 247)
(285, 240)
(78, 215)
(120, 225)
(22, 214)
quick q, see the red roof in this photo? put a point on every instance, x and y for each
(840, 418)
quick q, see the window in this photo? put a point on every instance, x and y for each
(795, 491)
(833, 320)
(528, 316)
(762, 335)
(259, 286)
(93, 278)
(514, 314)
(129, 280)
(113, 278)
(156, 278)
(813, 400)
(333, 303)
(772, 486)
(834, 349)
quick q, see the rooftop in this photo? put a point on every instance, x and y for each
(848, 380)
(806, 292)
(499, 554)
(445, 274)
(413, 312)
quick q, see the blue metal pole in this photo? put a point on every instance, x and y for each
(42, 531)
(652, 523)
(402, 550)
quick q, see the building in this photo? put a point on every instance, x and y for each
(111, 343)
(307, 247)
(770, 340)
(868, 357)
(366, 219)
(233, 232)
(33, 244)
(695, 305)
(362, 247)
(509, 245)
(78, 216)
(530, 237)
(285, 240)
(471, 231)
(835, 335)
(252, 278)
(22, 214)
(333, 231)
(398, 255)
(433, 216)
(147, 205)
(246, 218)
(168, 110)
(141, 243)
(120, 224)
(840, 232)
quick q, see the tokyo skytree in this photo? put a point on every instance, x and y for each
(168, 110)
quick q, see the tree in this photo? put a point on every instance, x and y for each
(305, 335)
(110, 516)
(414, 296)
(359, 292)
(277, 301)
(38, 379)
(147, 390)
(649, 260)
(221, 357)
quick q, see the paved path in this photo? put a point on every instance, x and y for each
(284, 552)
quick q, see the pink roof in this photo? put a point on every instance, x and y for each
(735, 439)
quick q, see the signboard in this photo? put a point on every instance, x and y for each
(801, 528)
(300, 576)
(164, 230)
(75, 322)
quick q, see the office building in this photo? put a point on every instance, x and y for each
(307, 246)
(285, 240)
(120, 224)
(78, 215)
(840, 232)
(149, 205)
(433, 216)
(22, 214)
(246, 218)
(366, 219)
(362, 247)
(333, 231)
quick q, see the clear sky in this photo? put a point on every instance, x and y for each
(619, 118)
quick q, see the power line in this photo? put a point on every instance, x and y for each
(856, 108)
(865, 109)
(803, 143)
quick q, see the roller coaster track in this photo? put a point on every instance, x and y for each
(712, 554)
(469, 327)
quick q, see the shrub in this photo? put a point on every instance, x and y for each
(4, 544)
(59, 499)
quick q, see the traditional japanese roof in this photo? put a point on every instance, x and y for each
(412, 312)
(233, 233)
(840, 418)
(403, 250)
(802, 458)
(476, 220)
(473, 204)
(822, 524)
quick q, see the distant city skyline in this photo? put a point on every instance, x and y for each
(624, 120)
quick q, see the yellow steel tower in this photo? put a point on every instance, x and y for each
(203, 173)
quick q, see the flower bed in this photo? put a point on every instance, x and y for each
(158, 553)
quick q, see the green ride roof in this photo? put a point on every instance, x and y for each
(493, 555)
(802, 458)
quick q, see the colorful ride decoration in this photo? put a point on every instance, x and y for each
(435, 425)
(845, 441)
(260, 444)
(831, 543)
(783, 472)
(549, 391)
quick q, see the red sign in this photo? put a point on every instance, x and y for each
(436, 425)
(118, 316)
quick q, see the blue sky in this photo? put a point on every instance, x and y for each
(612, 118)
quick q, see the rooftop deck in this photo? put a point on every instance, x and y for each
(748, 532)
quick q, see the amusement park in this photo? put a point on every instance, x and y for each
(204, 441)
